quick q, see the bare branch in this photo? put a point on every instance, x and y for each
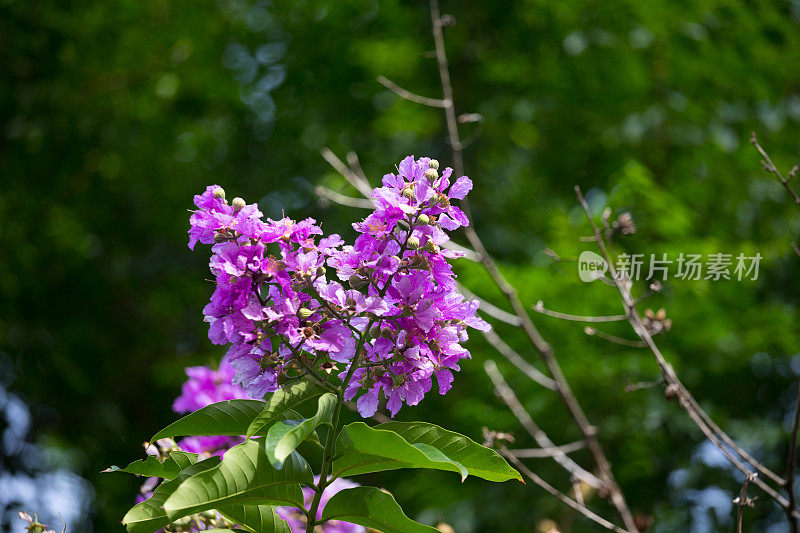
(585, 511)
(408, 95)
(508, 396)
(342, 199)
(518, 361)
(489, 308)
(347, 173)
(713, 432)
(539, 308)
(613, 338)
(743, 501)
(770, 167)
(540, 453)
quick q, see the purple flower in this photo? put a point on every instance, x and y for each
(307, 307)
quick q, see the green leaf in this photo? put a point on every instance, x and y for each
(231, 417)
(396, 445)
(149, 515)
(479, 460)
(373, 508)
(151, 466)
(284, 437)
(255, 518)
(282, 400)
(246, 477)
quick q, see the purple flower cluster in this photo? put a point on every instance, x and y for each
(391, 306)
(297, 519)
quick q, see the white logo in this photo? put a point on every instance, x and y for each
(591, 266)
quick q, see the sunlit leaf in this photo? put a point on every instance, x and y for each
(284, 436)
(246, 477)
(152, 466)
(396, 445)
(149, 515)
(279, 402)
(255, 518)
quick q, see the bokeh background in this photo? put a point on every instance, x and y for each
(113, 114)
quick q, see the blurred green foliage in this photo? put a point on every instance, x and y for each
(114, 113)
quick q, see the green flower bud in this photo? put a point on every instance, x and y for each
(431, 174)
(413, 243)
(220, 237)
(432, 248)
(219, 193)
(375, 332)
(357, 282)
(409, 193)
(304, 313)
(434, 164)
(423, 220)
(238, 204)
(320, 271)
(387, 333)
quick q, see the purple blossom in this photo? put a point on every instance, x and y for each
(293, 303)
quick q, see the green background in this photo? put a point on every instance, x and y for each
(113, 114)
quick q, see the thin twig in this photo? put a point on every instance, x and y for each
(354, 179)
(743, 501)
(539, 308)
(713, 432)
(585, 511)
(541, 453)
(507, 395)
(518, 361)
(489, 308)
(613, 338)
(408, 95)
(770, 167)
(342, 199)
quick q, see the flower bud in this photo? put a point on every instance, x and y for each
(409, 193)
(434, 164)
(238, 204)
(423, 220)
(321, 271)
(671, 392)
(375, 332)
(431, 174)
(219, 193)
(413, 242)
(220, 237)
(304, 313)
(357, 282)
(431, 247)
(387, 332)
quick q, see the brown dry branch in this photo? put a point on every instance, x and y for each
(585, 511)
(737, 455)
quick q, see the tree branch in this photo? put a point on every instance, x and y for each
(585, 511)
(713, 432)
(408, 95)
(507, 395)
